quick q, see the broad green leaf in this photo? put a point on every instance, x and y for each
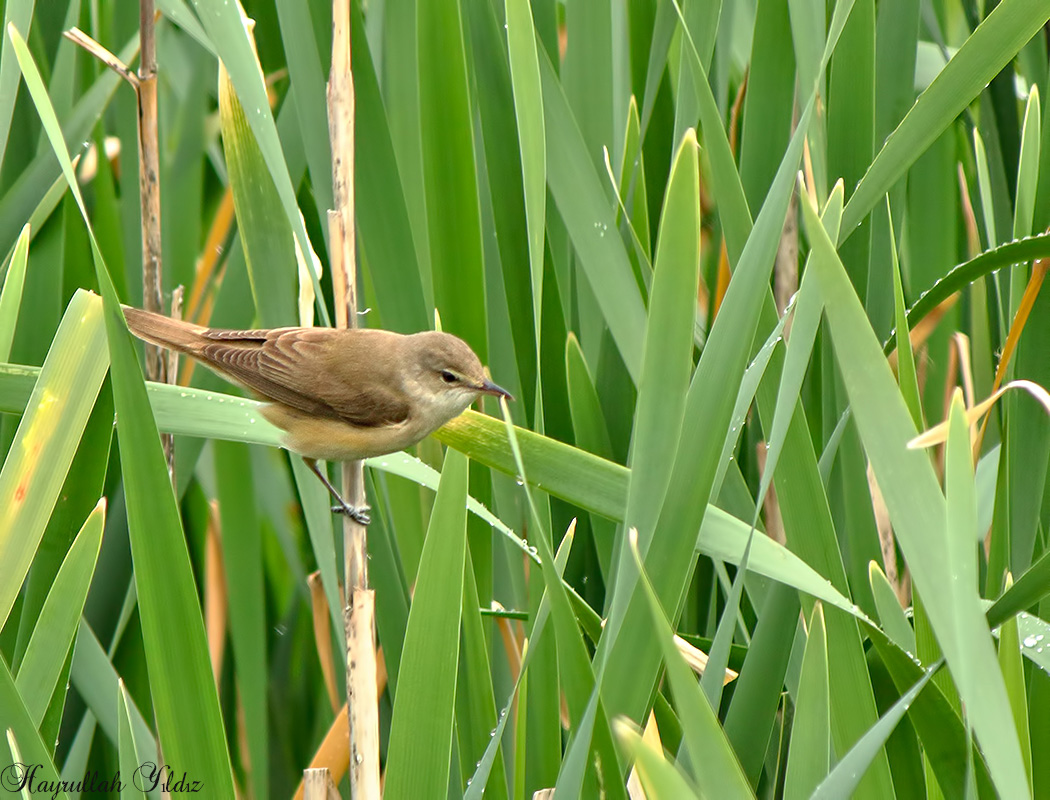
(917, 511)
(214, 415)
(47, 439)
(266, 235)
(667, 361)
(226, 26)
(559, 469)
(192, 735)
(243, 562)
(584, 206)
(946, 741)
(1034, 634)
(450, 174)
(421, 729)
(564, 471)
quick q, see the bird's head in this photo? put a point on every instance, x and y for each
(449, 372)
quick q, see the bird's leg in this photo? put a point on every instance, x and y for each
(358, 515)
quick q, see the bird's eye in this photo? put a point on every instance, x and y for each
(448, 377)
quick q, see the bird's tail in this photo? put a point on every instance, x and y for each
(164, 331)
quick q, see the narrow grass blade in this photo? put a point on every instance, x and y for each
(714, 765)
(35, 191)
(56, 628)
(906, 375)
(131, 762)
(32, 750)
(11, 296)
(528, 107)
(708, 408)
(1029, 588)
(891, 615)
(1027, 167)
(98, 684)
(770, 100)
(946, 741)
(301, 49)
(844, 778)
(1010, 649)
(658, 776)
(385, 228)
(808, 757)
(588, 722)
(962, 275)
(476, 785)
(18, 13)
(476, 708)
(1034, 634)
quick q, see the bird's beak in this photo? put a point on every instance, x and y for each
(488, 387)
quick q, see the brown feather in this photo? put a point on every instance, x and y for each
(279, 364)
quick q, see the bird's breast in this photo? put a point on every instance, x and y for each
(337, 440)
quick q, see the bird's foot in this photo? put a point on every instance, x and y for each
(358, 514)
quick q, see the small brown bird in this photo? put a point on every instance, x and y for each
(337, 394)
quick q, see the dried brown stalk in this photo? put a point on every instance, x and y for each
(359, 613)
(145, 85)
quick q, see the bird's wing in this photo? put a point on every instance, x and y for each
(308, 369)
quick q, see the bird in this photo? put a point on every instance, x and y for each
(337, 394)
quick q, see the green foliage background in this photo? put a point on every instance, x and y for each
(558, 183)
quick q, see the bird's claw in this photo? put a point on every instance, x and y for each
(357, 514)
